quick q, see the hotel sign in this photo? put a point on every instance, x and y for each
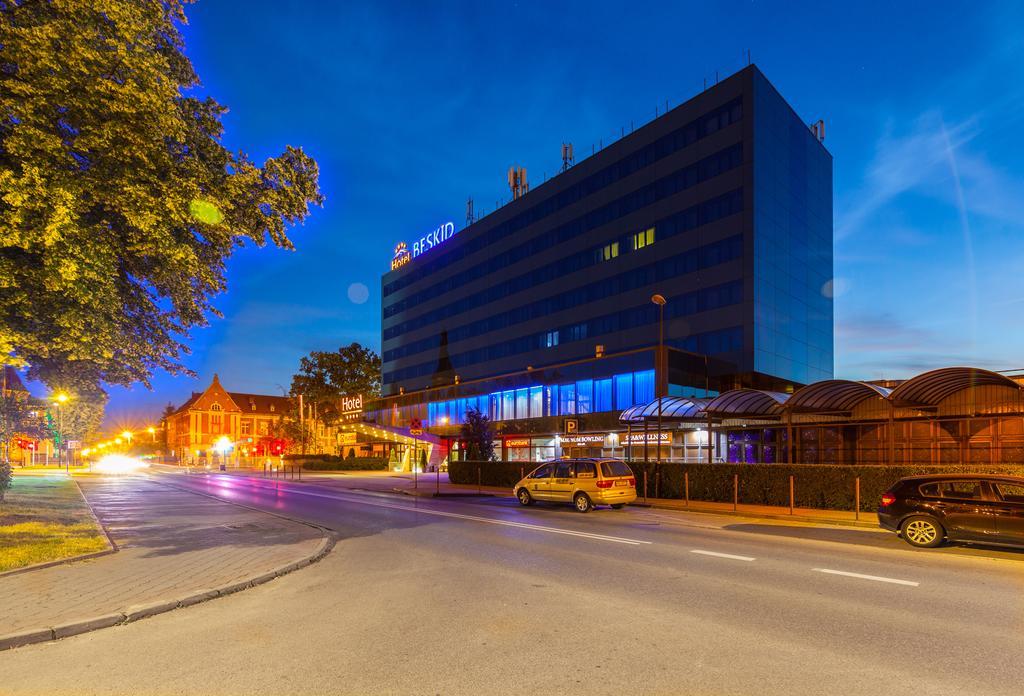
(351, 407)
(403, 255)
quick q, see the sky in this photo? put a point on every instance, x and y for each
(410, 108)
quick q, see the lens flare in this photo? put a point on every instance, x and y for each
(118, 464)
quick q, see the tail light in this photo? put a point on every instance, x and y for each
(605, 483)
(888, 499)
(632, 481)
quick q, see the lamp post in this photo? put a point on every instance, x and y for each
(59, 399)
(660, 374)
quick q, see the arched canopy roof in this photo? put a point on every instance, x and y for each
(930, 388)
(672, 408)
(747, 402)
(833, 395)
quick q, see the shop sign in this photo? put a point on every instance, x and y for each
(517, 442)
(664, 438)
(583, 439)
(347, 439)
(427, 242)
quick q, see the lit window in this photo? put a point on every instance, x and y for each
(215, 407)
(246, 427)
(608, 252)
(642, 239)
(253, 404)
(271, 407)
(551, 339)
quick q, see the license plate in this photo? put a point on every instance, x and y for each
(622, 483)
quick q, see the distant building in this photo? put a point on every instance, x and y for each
(247, 420)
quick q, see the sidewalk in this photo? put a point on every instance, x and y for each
(175, 548)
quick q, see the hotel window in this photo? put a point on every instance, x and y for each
(567, 399)
(551, 400)
(642, 239)
(522, 404)
(602, 395)
(623, 391)
(536, 402)
(551, 339)
(508, 405)
(584, 396)
(608, 252)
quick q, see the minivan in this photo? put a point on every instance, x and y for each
(582, 482)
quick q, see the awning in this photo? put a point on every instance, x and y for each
(930, 388)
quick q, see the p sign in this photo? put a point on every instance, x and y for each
(571, 426)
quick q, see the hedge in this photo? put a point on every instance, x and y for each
(815, 486)
(328, 462)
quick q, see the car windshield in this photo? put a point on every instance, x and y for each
(615, 468)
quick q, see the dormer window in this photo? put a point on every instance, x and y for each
(272, 407)
(253, 404)
(215, 407)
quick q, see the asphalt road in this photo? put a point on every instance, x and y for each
(457, 596)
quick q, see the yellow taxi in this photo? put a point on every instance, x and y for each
(582, 482)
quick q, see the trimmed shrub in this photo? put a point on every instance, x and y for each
(815, 486)
(330, 463)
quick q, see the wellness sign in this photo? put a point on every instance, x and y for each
(404, 255)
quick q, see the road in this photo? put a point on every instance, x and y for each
(476, 596)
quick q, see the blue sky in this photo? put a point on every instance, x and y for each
(412, 107)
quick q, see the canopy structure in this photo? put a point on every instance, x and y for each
(833, 396)
(930, 388)
(673, 408)
(747, 403)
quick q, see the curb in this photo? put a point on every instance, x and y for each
(764, 516)
(142, 611)
(424, 493)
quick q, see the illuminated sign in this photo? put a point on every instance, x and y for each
(664, 438)
(401, 256)
(583, 439)
(427, 242)
(517, 442)
(351, 407)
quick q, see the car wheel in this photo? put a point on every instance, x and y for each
(524, 497)
(922, 532)
(582, 503)
(618, 506)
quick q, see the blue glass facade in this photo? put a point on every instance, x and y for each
(793, 325)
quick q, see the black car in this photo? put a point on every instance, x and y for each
(927, 510)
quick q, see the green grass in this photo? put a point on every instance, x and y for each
(45, 519)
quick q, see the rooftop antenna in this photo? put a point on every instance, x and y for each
(517, 181)
(568, 158)
(470, 217)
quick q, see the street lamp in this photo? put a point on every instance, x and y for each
(152, 432)
(661, 374)
(59, 399)
(127, 435)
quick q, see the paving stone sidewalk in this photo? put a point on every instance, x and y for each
(172, 544)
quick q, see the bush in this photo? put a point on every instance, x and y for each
(333, 463)
(815, 486)
(5, 478)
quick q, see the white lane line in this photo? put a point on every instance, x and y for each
(861, 576)
(473, 518)
(716, 554)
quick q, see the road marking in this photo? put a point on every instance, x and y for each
(473, 518)
(716, 554)
(861, 576)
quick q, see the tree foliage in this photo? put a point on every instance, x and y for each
(119, 203)
(18, 417)
(478, 436)
(325, 377)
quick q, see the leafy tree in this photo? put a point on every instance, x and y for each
(119, 203)
(79, 418)
(478, 436)
(295, 433)
(18, 417)
(325, 377)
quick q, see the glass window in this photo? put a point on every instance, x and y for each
(643, 386)
(602, 395)
(1010, 492)
(246, 427)
(566, 399)
(542, 472)
(608, 252)
(495, 406)
(615, 468)
(563, 470)
(585, 396)
(508, 405)
(623, 391)
(643, 238)
(551, 339)
(551, 400)
(536, 402)
(522, 403)
(952, 489)
(215, 407)
(585, 470)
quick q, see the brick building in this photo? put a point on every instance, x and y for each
(247, 420)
